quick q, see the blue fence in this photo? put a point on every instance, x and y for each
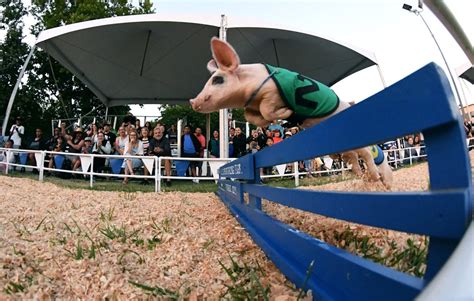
(443, 212)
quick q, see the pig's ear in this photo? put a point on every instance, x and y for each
(225, 56)
(212, 66)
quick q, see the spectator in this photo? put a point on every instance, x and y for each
(108, 135)
(74, 145)
(160, 147)
(288, 134)
(410, 151)
(173, 134)
(17, 132)
(420, 147)
(59, 146)
(294, 130)
(276, 126)
(262, 139)
(253, 138)
(268, 170)
(38, 143)
(190, 148)
(239, 143)
(92, 132)
(137, 124)
(214, 145)
(121, 141)
(87, 147)
(101, 147)
(134, 147)
(277, 136)
(150, 128)
(202, 141)
(231, 134)
(3, 156)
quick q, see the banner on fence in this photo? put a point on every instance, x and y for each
(85, 163)
(281, 169)
(149, 163)
(215, 165)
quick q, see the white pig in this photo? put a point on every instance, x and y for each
(248, 86)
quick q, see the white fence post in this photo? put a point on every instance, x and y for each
(91, 183)
(158, 175)
(297, 174)
(8, 162)
(157, 172)
(41, 171)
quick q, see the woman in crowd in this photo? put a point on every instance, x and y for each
(276, 137)
(134, 147)
(121, 141)
(59, 146)
(74, 145)
(213, 145)
(38, 143)
(145, 139)
(92, 132)
(150, 129)
(410, 151)
(101, 147)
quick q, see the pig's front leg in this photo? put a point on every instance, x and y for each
(270, 113)
(254, 117)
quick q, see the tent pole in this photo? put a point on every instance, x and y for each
(106, 112)
(15, 90)
(208, 128)
(223, 114)
(179, 134)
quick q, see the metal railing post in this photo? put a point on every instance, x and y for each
(158, 175)
(297, 174)
(41, 171)
(91, 183)
(8, 154)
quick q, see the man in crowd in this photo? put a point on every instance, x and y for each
(239, 143)
(190, 148)
(17, 132)
(108, 135)
(160, 147)
(173, 134)
(202, 141)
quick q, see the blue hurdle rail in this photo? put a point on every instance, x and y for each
(443, 213)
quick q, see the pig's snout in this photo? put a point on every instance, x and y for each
(194, 105)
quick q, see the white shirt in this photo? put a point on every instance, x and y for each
(15, 137)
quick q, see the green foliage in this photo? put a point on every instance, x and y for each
(48, 90)
(157, 291)
(171, 113)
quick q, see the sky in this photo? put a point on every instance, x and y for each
(399, 39)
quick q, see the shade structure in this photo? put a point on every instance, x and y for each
(466, 72)
(153, 59)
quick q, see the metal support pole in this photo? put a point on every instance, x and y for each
(41, 171)
(106, 112)
(15, 90)
(223, 114)
(208, 129)
(458, 95)
(297, 173)
(179, 134)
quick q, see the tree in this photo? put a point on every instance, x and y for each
(171, 113)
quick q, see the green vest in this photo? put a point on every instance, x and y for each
(306, 97)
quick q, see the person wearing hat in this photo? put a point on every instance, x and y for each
(17, 132)
(288, 134)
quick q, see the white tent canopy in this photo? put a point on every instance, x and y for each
(152, 59)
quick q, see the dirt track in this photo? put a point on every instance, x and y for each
(171, 240)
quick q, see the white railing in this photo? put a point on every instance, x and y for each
(40, 156)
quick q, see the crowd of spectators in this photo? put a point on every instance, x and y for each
(154, 140)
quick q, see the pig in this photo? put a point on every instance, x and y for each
(248, 86)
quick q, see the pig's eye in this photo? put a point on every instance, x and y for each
(217, 80)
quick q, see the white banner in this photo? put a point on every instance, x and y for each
(215, 165)
(38, 159)
(328, 162)
(281, 169)
(85, 163)
(204, 168)
(149, 163)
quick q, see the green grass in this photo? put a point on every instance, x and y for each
(115, 184)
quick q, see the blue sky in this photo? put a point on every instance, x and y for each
(399, 39)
